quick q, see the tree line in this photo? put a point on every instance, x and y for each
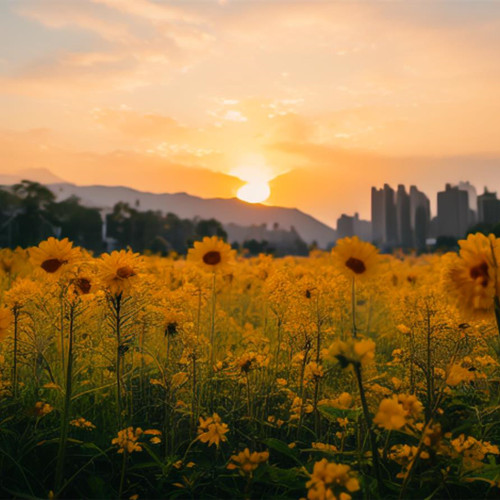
(30, 213)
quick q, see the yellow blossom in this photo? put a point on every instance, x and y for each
(212, 430)
(247, 462)
(353, 351)
(355, 258)
(331, 481)
(127, 440)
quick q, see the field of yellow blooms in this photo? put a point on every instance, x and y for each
(343, 375)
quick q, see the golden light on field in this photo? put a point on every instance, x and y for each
(254, 192)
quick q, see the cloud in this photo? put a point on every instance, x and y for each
(42, 149)
(81, 15)
(141, 44)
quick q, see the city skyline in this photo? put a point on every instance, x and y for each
(404, 218)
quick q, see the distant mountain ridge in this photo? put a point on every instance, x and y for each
(225, 210)
(41, 175)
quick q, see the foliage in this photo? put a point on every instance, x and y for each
(347, 376)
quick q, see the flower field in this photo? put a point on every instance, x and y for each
(346, 374)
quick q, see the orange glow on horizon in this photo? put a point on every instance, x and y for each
(254, 192)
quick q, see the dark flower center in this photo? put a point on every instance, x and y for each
(212, 258)
(355, 265)
(125, 272)
(480, 272)
(171, 328)
(52, 265)
(83, 284)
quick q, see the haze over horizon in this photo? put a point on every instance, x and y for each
(320, 100)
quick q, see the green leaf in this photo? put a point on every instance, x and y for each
(282, 447)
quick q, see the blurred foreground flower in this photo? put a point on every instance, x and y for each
(331, 481)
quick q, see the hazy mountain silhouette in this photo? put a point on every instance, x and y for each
(187, 206)
(41, 175)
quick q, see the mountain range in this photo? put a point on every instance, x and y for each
(227, 211)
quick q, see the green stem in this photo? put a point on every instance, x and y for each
(61, 330)
(14, 368)
(369, 423)
(212, 326)
(497, 312)
(122, 474)
(353, 307)
(61, 454)
(249, 403)
(194, 405)
(117, 305)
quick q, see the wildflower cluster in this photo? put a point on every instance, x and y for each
(347, 374)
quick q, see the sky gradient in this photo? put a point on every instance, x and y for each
(322, 99)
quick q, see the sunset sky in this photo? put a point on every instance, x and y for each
(320, 99)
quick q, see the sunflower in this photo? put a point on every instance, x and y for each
(118, 271)
(212, 254)
(6, 319)
(51, 255)
(471, 276)
(355, 258)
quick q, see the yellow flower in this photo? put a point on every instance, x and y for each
(324, 447)
(41, 409)
(156, 435)
(355, 258)
(212, 254)
(473, 451)
(313, 371)
(403, 329)
(127, 440)
(21, 292)
(299, 407)
(404, 455)
(459, 374)
(82, 423)
(411, 405)
(212, 430)
(331, 481)
(6, 318)
(471, 277)
(391, 414)
(52, 255)
(247, 462)
(118, 271)
(356, 352)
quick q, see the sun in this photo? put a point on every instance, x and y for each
(254, 192)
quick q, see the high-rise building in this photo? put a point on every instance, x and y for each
(471, 190)
(348, 226)
(345, 226)
(488, 208)
(403, 215)
(384, 216)
(420, 217)
(453, 212)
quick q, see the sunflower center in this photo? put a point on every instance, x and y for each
(125, 272)
(171, 328)
(212, 258)
(480, 272)
(355, 265)
(52, 265)
(83, 285)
